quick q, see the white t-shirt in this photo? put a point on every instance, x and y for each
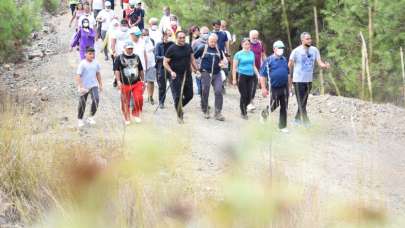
(121, 37)
(150, 52)
(156, 35)
(139, 49)
(88, 71)
(164, 23)
(97, 4)
(106, 16)
(304, 63)
(92, 21)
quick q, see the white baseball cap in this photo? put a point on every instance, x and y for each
(107, 3)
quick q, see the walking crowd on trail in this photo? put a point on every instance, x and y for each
(162, 52)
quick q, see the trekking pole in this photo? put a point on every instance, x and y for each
(167, 89)
(180, 104)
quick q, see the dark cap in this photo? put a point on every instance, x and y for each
(90, 49)
(216, 22)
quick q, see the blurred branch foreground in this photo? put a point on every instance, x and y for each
(151, 181)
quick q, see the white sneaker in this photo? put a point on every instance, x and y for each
(127, 122)
(80, 123)
(137, 120)
(91, 120)
(284, 130)
(251, 108)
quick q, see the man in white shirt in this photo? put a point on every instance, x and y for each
(150, 70)
(87, 14)
(165, 21)
(154, 32)
(97, 6)
(104, 17)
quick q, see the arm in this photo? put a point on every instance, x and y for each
(159, 53)
(291, 65)
(234, 66)
(146, 59)
(193, 63)
(76, 38)
(256, 71)
(79, 82)
(166, 65)
(141, 75)
(118, 78)
(322, 64)
(100, 82)
(263, 86)
(113, 44)
(71, 20)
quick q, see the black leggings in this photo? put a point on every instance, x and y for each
(245, 86)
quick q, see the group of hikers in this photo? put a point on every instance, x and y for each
(163, 52)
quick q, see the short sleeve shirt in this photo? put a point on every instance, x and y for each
(304, 63)
(257, 49)
(180, 58)
(222, 39)
(88, 72)
(246, 61)
(107, 16)
(129, 68)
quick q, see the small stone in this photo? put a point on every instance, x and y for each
(35, 54)
(333, 110)
(7, 66)
(44, 98)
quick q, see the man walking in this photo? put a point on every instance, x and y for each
(163, 76)
(223, 42)
(105, 17)
(88, 81)
(178, 61)
(211, 59)
(302, 60)
(260, 55)
(275, 67)
(129, 75)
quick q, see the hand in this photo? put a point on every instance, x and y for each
(119, 84)
(82, 90)
(234, 82)
(100, 88)
(173, 74)
(265, 92)
(326, 65)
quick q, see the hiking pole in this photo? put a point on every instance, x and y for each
(167, 89)
(180, 104)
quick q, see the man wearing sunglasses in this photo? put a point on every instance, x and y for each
(302, 60)
(178, 61)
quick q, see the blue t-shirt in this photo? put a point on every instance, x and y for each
(246, 61)
(88, 71)
(207, 60)
(222, 39)
(276, 68)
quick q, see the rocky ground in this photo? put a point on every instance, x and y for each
(354, 150)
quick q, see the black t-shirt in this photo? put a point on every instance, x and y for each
(180, 58)
(129, 68)
(134, 17)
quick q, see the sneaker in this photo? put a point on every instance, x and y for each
(127, 122)
(244, 116)
(80, 123)
(206, 115)
(91, 120)
(106, 58)
(151, 101)
(161, 106)
(219, 117)
(251, 108)
(180, 118)
(137, 120)
(284, 130)
(297, 122)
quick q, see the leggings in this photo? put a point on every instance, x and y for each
(245, 86)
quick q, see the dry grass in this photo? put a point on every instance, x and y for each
(47, 184)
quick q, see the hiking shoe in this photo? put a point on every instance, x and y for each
(244, 116)
(297, 122)
(91, 120)
(137, 120)
(251, 108)
(80, 123)
(284, 130)
(219, 117)
(151, 101)
(206, 114)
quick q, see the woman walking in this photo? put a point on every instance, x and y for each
(244, 67)
(84, 38)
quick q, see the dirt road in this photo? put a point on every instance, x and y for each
(354, 151)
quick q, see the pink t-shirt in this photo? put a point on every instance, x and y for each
(257, 49)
